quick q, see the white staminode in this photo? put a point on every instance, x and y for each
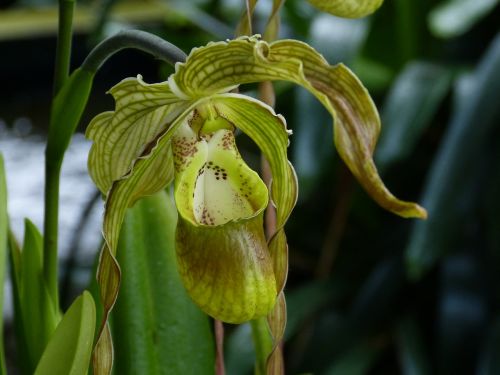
(225, 187)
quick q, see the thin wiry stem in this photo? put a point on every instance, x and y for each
(219, 343)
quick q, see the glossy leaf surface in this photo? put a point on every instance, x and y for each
(69, 349)
(155, 325)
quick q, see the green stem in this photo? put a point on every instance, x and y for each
(53, 167)
(63, 49)
(263, 344)
(50, 229)
(141, 40)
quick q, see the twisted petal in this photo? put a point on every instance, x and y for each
(142, 112)
(146, 176)
(220, 66)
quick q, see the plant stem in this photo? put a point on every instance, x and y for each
(141, 40)
(219, 340)
(63, 49)
(50, 230)
(263, 344)
(53, 167)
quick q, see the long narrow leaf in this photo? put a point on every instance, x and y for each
(474, 118)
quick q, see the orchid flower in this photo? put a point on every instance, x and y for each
(183, 129)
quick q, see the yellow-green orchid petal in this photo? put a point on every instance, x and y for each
(348, 8)
(220, 66)
(221, 248)
(142, 112)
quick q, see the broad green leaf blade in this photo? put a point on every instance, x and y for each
(69, 349)
(411, 104)
(34, 296)
(356, 119)
(156, 327)
(348, 8)
(455, 17)
(142, 180)
(3, 252)
(476, 113)
(142, 112)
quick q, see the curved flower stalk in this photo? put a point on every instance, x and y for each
(184, 129)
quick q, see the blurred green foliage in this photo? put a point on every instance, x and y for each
(369, 293)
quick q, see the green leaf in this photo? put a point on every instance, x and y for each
(455, 17)
(156, 327)
(67, 110)
(34, 296)
(69, 349)
(3, 253)
(476, 114)
(142, 112)
(411, 104)
(223, 65)
(348, 8)
(15, 267)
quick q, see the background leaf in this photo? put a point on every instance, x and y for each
(455, 17)
(3, 253)
(38, 314)
(409, 107)
(474, 119)
(155, 325)
(69, 349)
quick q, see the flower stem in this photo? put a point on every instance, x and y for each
(263, 344)
(53, 167)
(63, 49)
(50, 230)
(219, 341)
(141, 40)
